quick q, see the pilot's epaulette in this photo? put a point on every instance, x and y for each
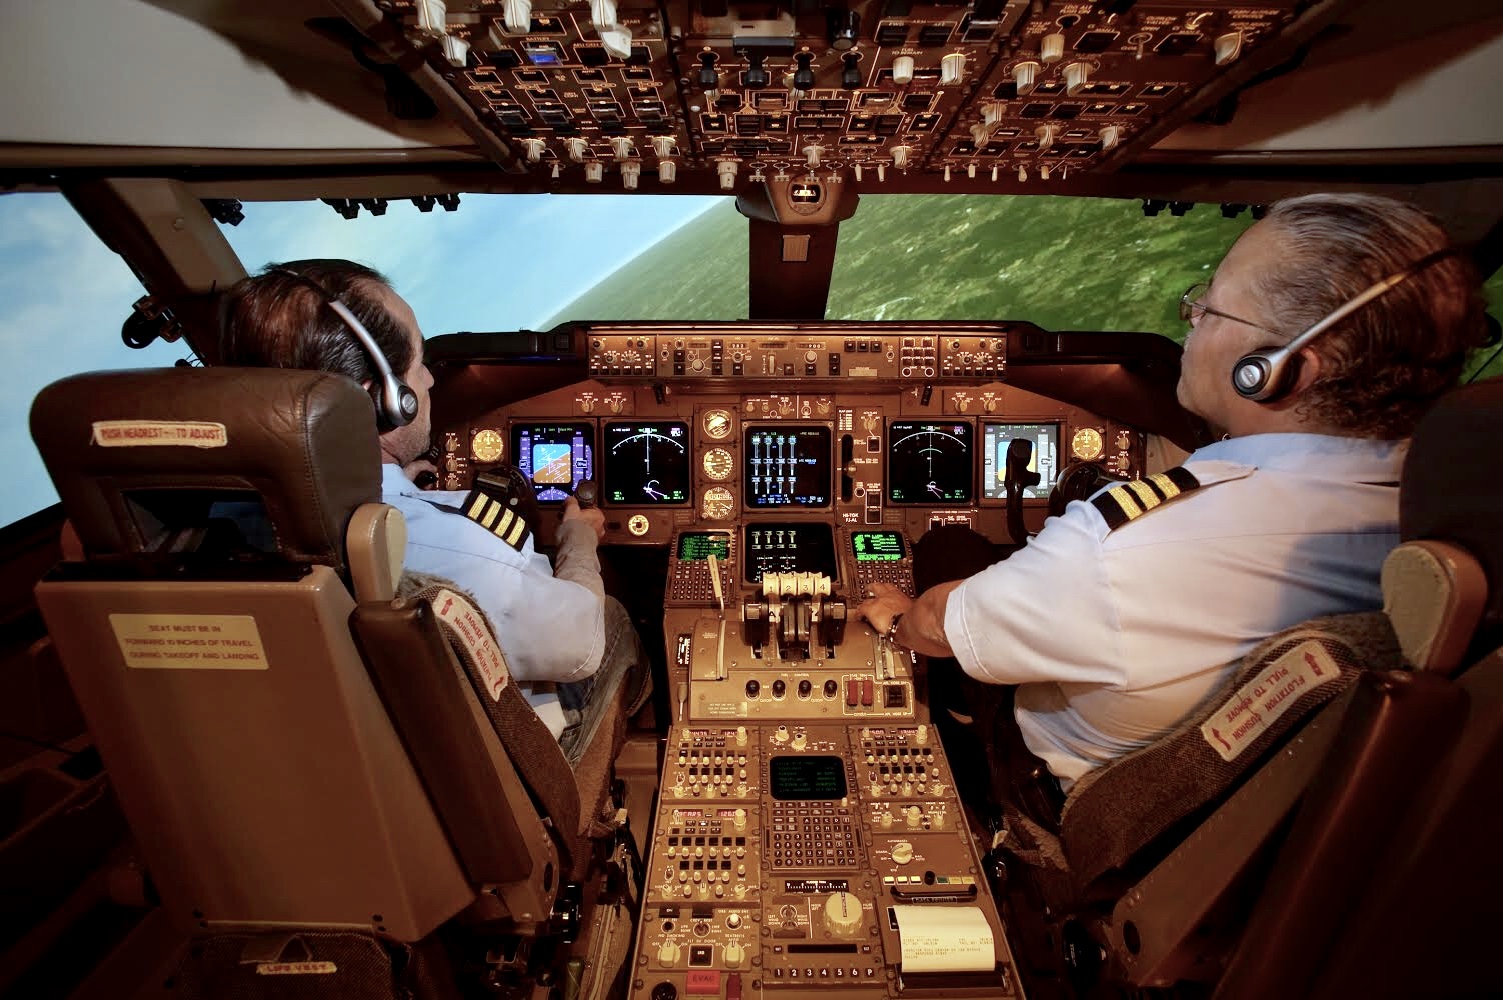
(496, 517)
(1137, 497)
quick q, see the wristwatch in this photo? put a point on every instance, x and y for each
(891, 635)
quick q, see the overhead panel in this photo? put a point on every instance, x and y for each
(626, 94)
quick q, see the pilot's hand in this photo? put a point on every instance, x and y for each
(593, 517)
(883, 602)
(424, 468)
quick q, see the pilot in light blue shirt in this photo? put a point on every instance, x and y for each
(549, 620)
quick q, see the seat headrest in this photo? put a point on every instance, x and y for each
(304, 442)
(1452, 487)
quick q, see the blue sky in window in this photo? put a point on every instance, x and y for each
(496, 264)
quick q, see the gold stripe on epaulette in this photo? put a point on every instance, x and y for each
(514, 539)
(1165, 485)
(477, 507)
(1145, 494)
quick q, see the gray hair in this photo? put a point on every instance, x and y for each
(1385, 364)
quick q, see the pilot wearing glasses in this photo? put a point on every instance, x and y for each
(1330, 327)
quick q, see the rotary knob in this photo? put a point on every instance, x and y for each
(800, 741)
(734, 955)
(913, 815)
(843, 914)
(739, 820)
(902, 852)
(668, 954)
(741, 736)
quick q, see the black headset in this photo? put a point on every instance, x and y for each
(396, 403)
(1264, 375)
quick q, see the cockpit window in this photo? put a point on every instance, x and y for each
(65, 296)
(1063, 263)
(517, 262)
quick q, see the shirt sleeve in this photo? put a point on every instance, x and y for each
(1047, 613)
(550, 629)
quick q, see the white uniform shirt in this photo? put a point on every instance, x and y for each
(550, 629)
(1116, 636)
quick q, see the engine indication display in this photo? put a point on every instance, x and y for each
(929, 463)
(787, 466)
(555, 458)
(646, 462)
(1045, 459)
(788, 548)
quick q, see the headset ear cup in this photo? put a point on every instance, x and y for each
(407, 402)
(378, 399)
(1254, 376)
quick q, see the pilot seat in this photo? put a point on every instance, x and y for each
(327, 769)
(1330, 805)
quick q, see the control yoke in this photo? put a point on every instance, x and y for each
(1017, 477)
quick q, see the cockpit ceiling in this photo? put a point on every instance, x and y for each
(704, 95)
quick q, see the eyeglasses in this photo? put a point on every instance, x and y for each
(1192, 306)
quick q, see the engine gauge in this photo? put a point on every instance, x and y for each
(718, 464)
(717, 424)
(1086, 444)
(487, 445)
(717, 504)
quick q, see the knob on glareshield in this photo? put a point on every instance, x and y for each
(586, 494)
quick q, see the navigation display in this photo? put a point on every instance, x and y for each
(646, 462)
(697, 546)
(878, 546)
(929, 462)
(787, 465)
(555, 458)
(788, 548)
(1045, 459)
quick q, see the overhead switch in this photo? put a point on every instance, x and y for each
(727, 171)
(952, 69)
(518, 16)
(900, 156)
(1228, 47)
(812, 154)
(622, 148)
(1077, 75)
(630, 173)
(594, 172)
(535, 149)
(1025, 76)
(803, 77)
(577, 148)
(902, 70)
(850, 75)
(456, 51)
(602, 13)
(1110, 136)
(708, 78)
(616, 40)
(1046, 134)
(1052, 48)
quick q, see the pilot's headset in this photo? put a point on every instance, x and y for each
(1265, 375)
(396, 403)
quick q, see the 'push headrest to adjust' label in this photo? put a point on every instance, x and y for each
(170, 433)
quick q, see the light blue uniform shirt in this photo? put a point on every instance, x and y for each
(550, 629)
(1116, 636)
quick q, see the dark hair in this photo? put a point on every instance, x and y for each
(1387, 362)
(277, 320)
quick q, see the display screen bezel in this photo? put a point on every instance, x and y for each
(586, 426)
(749, 503)
(605, 463)
(887, 465)
(1059, 459)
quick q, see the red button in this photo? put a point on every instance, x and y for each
(852, 693)
(866, 690)
(703, 983)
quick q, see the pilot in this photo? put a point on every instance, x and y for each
(1125, 613)
(567, 643)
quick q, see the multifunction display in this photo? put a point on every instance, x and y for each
(878, 546)
(555, 458)
(646, 462)
(787, 465)
(788, 548)
(929, 463)
(1044, 460)
(807, 778)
